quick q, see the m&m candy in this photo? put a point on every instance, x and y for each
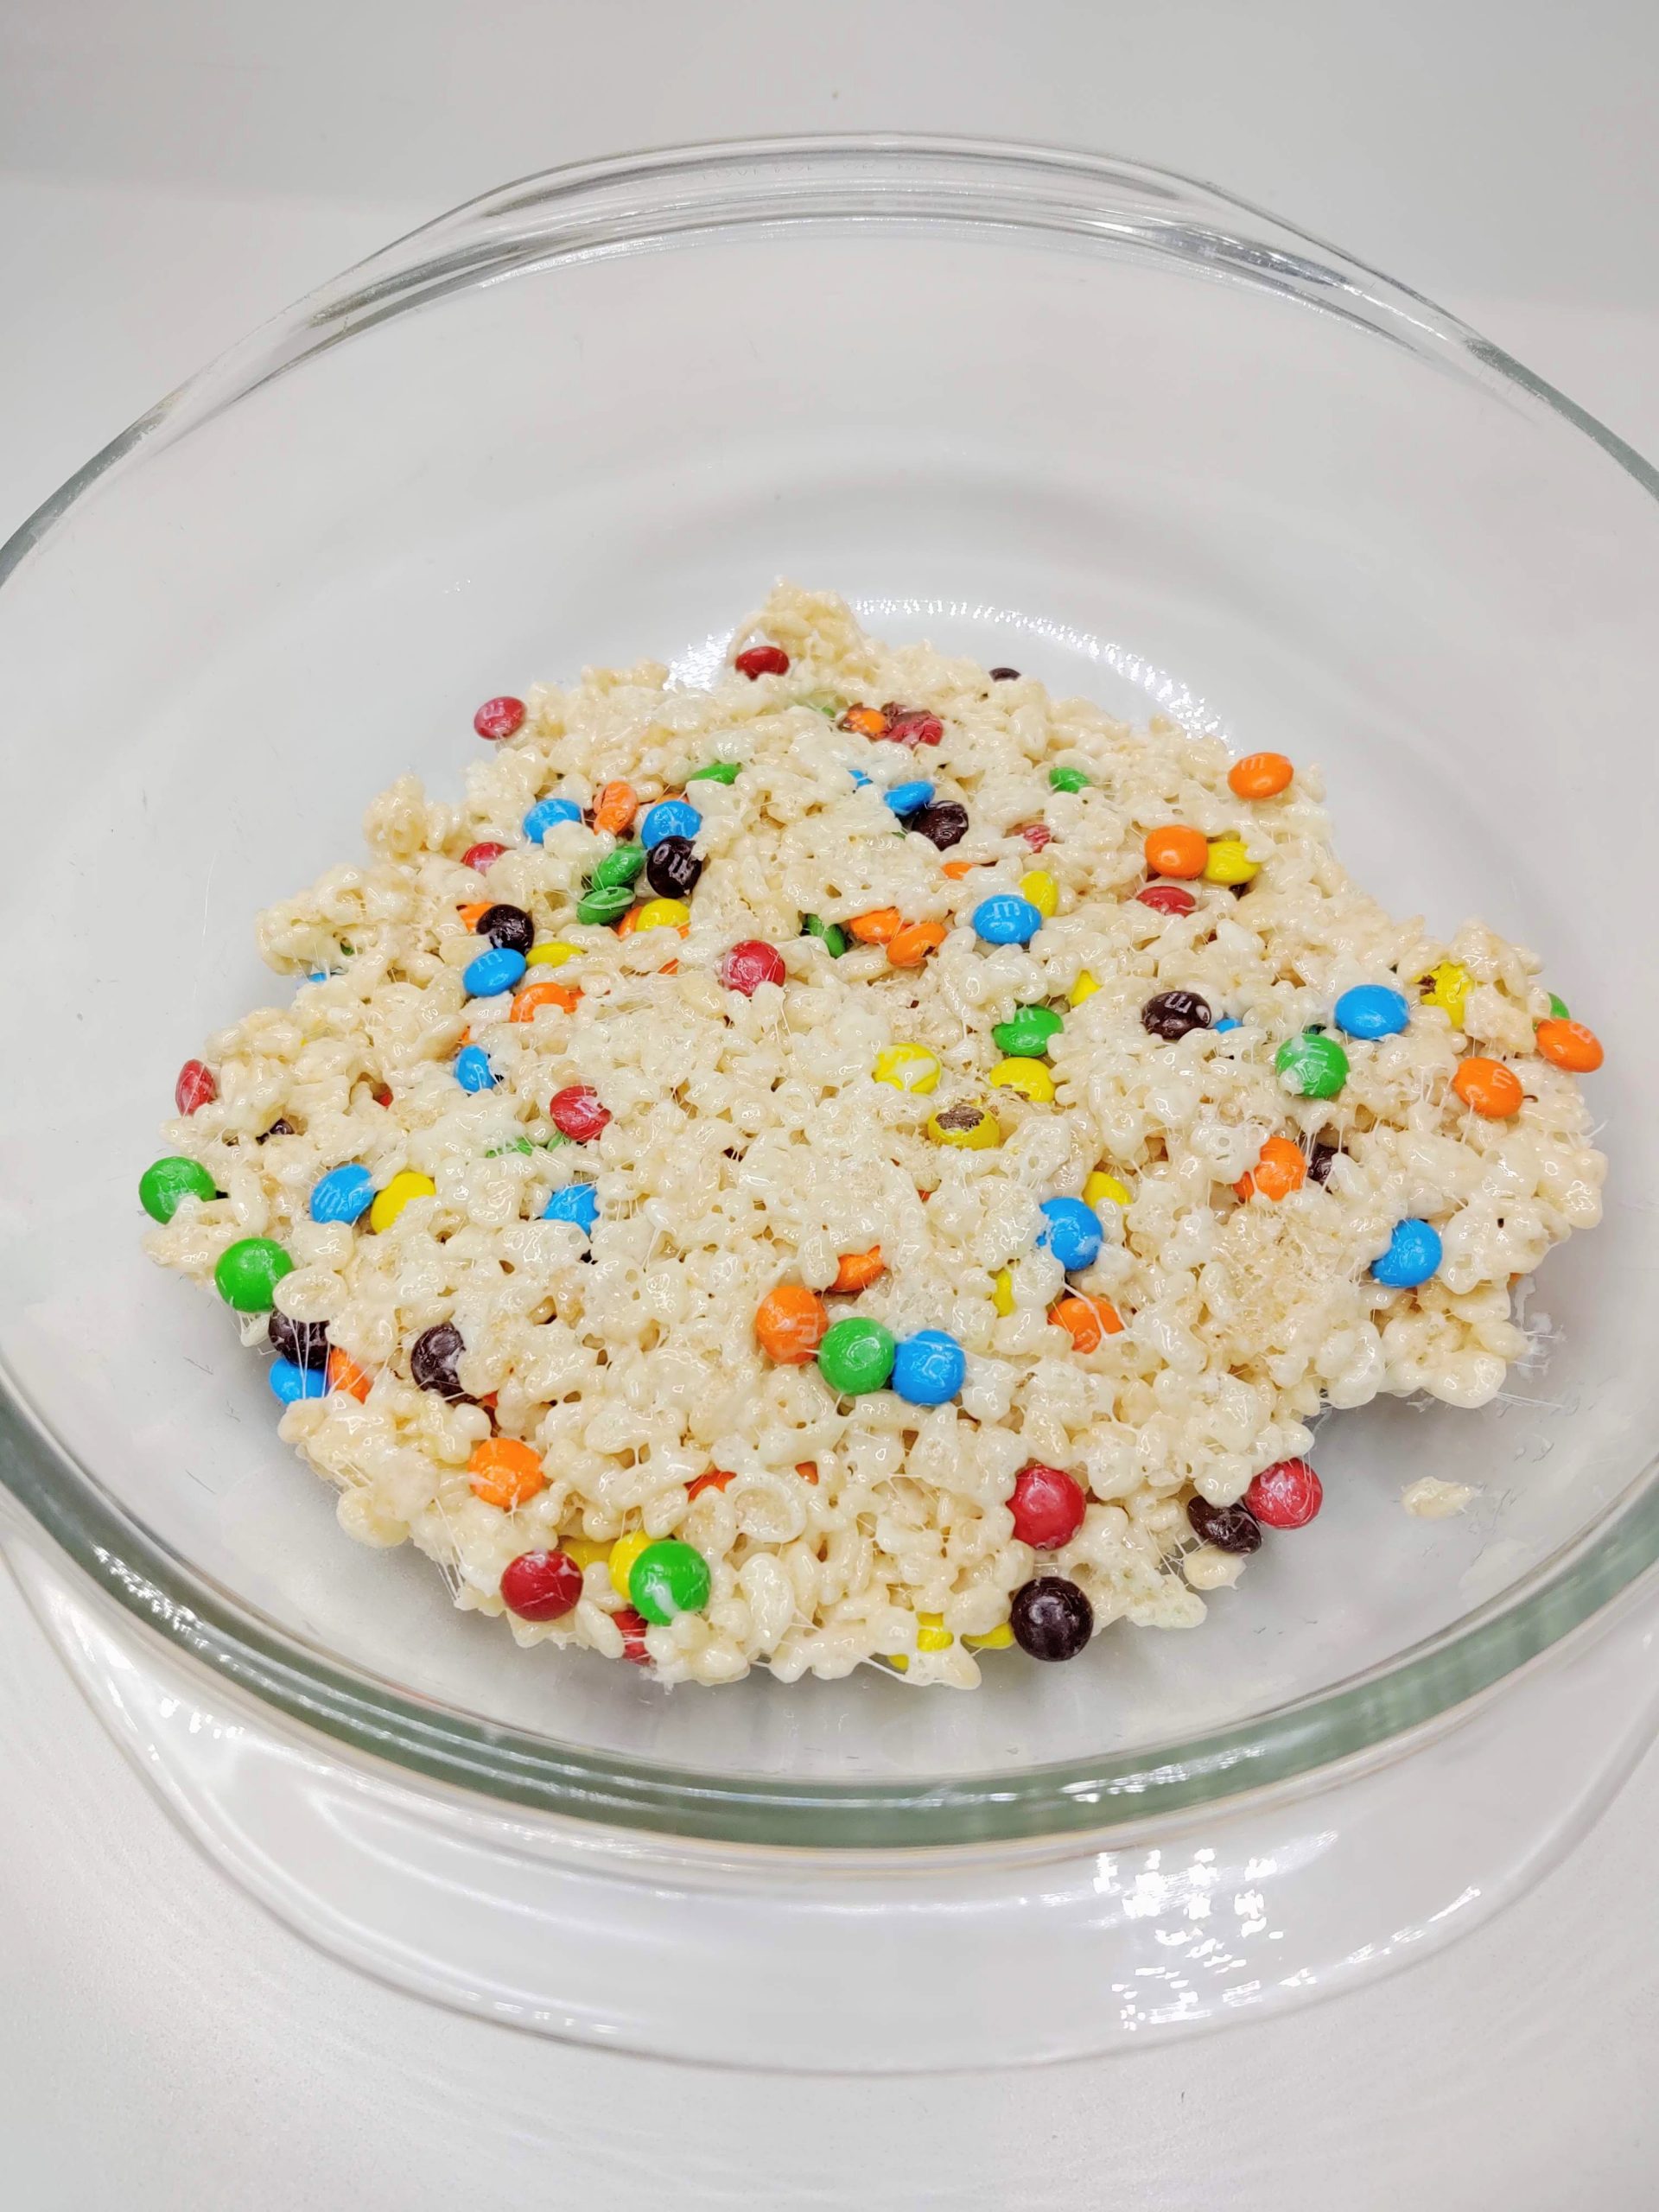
(547, 814)
(856, 1356)
(575, 1112)
(493, 971)
(291, 1383)
(927, 1368)
(1003, 919)
(1371, 1010)
(197, 1087)
(748, 965)
(542, 1585)
(1071, 1231)
(1312, 1064)
(670, 817)
(1229, 1528)
(401, 1192)
(907, 1067)
(576, 1202)
(1029, 1078)
(165, 1184)
(1047, 1505)
(248, 1273)
(1413, 1255)
(500, 718)
(1260, 775)
(1051, 1619)
(1288, 1495)
(1027, 1032)
(668, 1579)
(908, 798)
(473, 1069)
(966, 1129)
(343, 1194)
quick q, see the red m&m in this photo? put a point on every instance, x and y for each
(541, 1586)
(197, 1086)
(750, 963)
(1047, 1505)
(1286, 1495)
(500, 718)
(576, 1113)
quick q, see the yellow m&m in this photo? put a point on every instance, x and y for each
(623, 1554)
(907, 1067)
(1229, 862)
(1029, 1078)
(969, 1128)
(403, 1188)
(1101, 1186)
(1449, 986)
(999, 1638)
(663, 914)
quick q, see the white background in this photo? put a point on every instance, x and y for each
(170, 171)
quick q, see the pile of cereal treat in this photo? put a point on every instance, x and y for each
(863, 1162)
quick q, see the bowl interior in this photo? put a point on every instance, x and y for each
(1159, 470)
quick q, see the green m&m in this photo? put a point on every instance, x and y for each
(830, 935)
(1026, 1033)
(856, 1356)
(1313, 1063)
(668, 1578)
(604, 902)
(623, 866)
(716, 772)
(165, 1182)
(249, 1272)
(1067, 779)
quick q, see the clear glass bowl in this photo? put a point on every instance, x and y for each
(1099, 422)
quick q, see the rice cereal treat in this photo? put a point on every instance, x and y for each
(865, 1162)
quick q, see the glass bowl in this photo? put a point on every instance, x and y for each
(1097, 421)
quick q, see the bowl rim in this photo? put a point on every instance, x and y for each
(673, 196)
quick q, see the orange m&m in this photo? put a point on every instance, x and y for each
(1260, 775)
(1177, 851)
(1569, 1045)
(1489, 1087)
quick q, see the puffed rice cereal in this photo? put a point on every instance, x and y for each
(769, 1177)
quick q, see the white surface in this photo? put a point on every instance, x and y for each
(178, 172)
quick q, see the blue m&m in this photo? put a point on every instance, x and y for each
(576, 1202)
(1006, 918)
(670, 817)
(473, 1069)
(928, 1368)
(1371, 1010)
(1070, 1231)
(342, 1194)
(290, 1382)
(498, 970)
(545, 812)
(1413, 1255)
(909, 798)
